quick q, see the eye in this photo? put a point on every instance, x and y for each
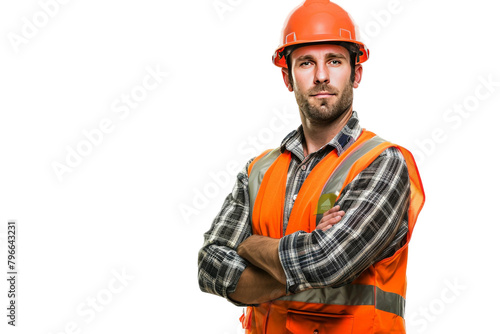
(335, 62)
(305, 63)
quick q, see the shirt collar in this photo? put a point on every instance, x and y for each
(341, 142)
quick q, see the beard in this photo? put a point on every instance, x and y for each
(324, 111)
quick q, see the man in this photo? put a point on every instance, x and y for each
(280, 244)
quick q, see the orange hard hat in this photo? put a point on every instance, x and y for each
(318, 21)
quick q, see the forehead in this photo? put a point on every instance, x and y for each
(319, 51)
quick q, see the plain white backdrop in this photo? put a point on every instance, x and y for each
(123, 123)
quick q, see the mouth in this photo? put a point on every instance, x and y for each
(322, 95)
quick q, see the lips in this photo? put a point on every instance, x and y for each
(323, 94)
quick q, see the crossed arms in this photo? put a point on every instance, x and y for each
(265, 278)
(250, 269)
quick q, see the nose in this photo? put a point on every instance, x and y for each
(322, 75)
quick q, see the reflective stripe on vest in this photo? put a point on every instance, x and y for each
(353, 294)
(261, 165)
(337, 179)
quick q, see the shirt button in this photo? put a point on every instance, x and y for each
(294, 197)
(303, 167)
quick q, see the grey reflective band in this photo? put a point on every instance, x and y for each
(337, 179)
(258, 170)
(352, 295)
(390, 302)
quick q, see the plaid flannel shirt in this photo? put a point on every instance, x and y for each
(374, 227)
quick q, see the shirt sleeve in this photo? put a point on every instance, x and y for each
(219, 265)
(374, 226)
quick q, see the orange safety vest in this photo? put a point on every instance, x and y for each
(375, 301)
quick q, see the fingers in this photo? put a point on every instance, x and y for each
(330, 218)
(336, 208)
(333, 212)
(327, 223)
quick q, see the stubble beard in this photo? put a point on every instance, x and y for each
(325, 112)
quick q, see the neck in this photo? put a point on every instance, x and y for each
(318, 135)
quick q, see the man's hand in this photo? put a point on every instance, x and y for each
(262, 252)
(330, 218)
(256, 286)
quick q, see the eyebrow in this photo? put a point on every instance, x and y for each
(328, 56)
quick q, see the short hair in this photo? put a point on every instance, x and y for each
(353, 48)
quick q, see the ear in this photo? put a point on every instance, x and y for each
(358, 73)
(286, 79)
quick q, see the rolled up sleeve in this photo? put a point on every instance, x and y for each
(219, 265)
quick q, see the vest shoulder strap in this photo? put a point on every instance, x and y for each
(260, 165)
(370, 149)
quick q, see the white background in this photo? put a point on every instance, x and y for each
(141, 199)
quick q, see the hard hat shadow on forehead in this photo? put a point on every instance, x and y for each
(318, 21)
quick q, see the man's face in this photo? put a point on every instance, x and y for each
(321, 82)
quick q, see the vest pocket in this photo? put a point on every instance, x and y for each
(301, 322)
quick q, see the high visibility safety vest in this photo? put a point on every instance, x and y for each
(375, 301)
